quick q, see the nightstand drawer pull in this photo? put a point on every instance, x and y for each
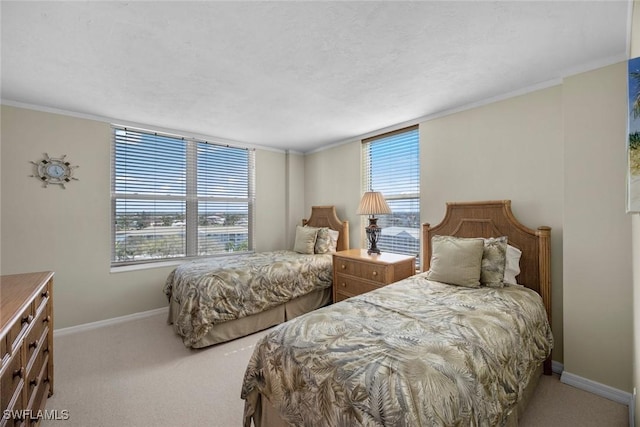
(343, 266)
(344, 285)
(375, 273)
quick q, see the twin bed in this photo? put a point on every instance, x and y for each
(420, 351)
(216, 300)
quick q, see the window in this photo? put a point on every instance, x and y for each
(175, 197)
(391, 165)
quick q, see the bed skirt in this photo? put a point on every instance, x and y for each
(244, 326)
(267, 416)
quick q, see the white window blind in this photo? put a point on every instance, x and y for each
(391, 165)
(175, 197)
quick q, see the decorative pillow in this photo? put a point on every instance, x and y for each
(331, 240)
(456, 260)
(512, 268)
(305, 239)
(322, 241)
(494, 260)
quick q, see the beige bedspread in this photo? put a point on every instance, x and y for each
(415, 353)
(218, 290)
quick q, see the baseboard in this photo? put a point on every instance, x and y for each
(557, 367)
(108, 322)
(596, 388)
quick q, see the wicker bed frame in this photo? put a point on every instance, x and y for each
(494, 219)
(480, 219)
(321, 216)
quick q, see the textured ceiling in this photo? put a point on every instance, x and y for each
(294, 75)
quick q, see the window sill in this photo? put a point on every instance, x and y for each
(146, 266)
(164, 264)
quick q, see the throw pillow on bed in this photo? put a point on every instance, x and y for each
(494, 260)
(305, 239)
(456, 260)
(327, 240)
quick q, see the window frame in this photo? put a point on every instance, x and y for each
(190, 198)
(399, 197)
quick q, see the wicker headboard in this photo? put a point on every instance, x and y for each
(325, 216)
(494, 219)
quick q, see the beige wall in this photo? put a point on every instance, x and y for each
(506, 150)
(560, 168)
(295, 196)
(68, 231)
(597, 231)
(332, 177)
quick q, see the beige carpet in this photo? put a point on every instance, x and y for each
(140, 374)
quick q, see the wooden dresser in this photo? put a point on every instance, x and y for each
(356, 272)
(26, 346)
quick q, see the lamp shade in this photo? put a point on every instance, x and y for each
(373, 203)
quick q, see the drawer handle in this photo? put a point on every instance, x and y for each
(375, 273)
(344, 285)
(27, 319)
(343, 266)
(33, 344)
(18, 372)
(46, 319)
(45, 294)
(33, 382)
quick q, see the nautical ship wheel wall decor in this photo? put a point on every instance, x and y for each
(54, 170)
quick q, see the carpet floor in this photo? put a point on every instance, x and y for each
(139, 373)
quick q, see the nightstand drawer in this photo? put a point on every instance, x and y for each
(375, 272)
(349, 286)
(345, 266)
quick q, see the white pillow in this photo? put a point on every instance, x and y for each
(512, 268)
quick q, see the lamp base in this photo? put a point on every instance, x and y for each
(373, 235)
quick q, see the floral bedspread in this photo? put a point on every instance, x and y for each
(414, 353)
(218, 290)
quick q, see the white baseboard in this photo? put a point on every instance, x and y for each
(596, 388)
(557, 367)
(107, 322)
(601, 390)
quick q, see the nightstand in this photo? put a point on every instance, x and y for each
(356, 272)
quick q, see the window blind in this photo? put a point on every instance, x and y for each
(176, 197)
(391, 165)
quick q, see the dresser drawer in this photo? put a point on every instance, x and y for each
(12, 379)
(38, 381)
(16, 330)
(15, 409)
(4, 350)
(41, 298)
(36, 334)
